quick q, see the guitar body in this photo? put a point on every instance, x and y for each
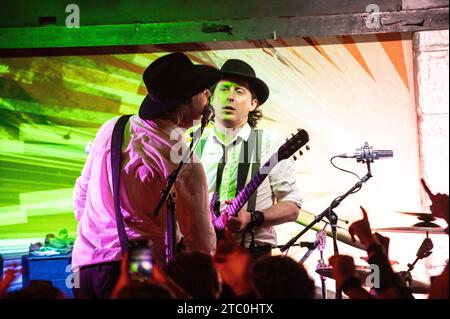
(285, 151)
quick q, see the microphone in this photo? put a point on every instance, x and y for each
(207, 115)
(367, 153)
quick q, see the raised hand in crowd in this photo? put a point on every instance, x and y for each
(362, 230)
(439, 203)
(390, 284)
(10, 275)
(233, 263)
(346, 279)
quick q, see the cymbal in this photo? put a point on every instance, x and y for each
(427, 225)
(362, 272)
(413, 229)
(421, 216)
(392, 262)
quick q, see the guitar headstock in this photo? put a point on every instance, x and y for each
(293, 144)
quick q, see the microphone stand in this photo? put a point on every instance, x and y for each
(332, 217)
(424, 251)
(318, 243)
(169, 196)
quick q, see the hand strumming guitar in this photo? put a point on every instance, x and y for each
(239, 222)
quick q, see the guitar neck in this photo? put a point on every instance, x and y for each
(244, 194)
(285, 151)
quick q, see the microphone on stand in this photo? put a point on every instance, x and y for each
(207, 115)
(367, 152)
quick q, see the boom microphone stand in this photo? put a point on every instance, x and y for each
(332, 217)
(424, 251)
(320, 242)
(168, 195)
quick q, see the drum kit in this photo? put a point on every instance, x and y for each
(425, 226)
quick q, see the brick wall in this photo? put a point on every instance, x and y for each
(432, 78)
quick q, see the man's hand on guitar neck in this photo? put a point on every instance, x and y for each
(239, 222)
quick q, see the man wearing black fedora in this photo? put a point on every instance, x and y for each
(178, 92)
(231, 153)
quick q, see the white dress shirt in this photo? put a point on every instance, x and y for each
(280, 185)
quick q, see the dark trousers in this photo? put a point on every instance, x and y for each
(97, 281)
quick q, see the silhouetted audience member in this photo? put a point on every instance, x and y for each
(8, 278)
(159, 277)
(389, 284)
(196, 274)
(439, 209)
(281, 277)
(37, 289)
(144, 290)
(233, 263)
(346, 280)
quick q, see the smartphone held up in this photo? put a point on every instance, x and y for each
(140, 260)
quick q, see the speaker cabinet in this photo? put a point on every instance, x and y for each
(52, 268)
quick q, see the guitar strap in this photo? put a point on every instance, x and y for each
(256, 140)
(116, 143)
(255, 168)
(247, 149)
(116, 157)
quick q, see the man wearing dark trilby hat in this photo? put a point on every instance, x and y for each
(178, 92)
(231, 153)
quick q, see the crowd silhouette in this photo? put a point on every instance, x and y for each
(231, 273)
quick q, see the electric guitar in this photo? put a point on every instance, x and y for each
(285, 151)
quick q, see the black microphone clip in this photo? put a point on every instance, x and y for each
(367, 153)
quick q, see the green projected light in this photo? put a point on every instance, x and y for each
(50, 110)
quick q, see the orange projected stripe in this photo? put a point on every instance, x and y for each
(294, 52)
(298, 55)
(204, 59)
(392, 45)
(322, 52)
(142, 90)
(351, 47)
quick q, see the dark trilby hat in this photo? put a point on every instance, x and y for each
(170, 80)
(234, 68)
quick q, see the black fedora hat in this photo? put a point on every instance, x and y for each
(172, 79)
(234, 68)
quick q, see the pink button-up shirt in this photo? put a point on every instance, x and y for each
(146, 161)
